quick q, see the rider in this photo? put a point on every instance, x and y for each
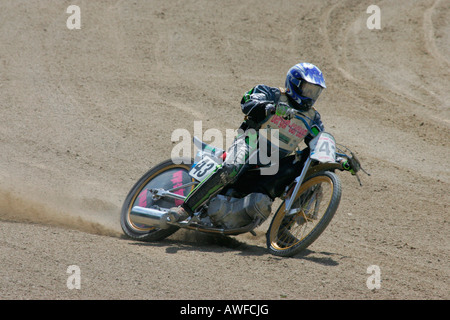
(304, 83)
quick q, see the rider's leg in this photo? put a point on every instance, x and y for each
(233, 166)
(238, 155)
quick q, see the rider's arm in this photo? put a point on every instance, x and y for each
(254, 102)
(317, 121)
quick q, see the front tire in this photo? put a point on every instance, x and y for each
(313, 208)
(165, 175)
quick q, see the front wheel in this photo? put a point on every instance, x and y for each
(166, 175)
(311, 212)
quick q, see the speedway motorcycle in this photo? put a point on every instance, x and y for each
(306, 182)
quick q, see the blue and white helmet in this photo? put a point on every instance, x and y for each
(304, 84)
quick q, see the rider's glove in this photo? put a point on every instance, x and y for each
(290, 113)
(351, 165)
(346, 165)
(270, 109)
(285, 111)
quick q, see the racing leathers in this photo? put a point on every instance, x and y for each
(258, 105)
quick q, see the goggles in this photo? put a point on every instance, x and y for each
(308, 90)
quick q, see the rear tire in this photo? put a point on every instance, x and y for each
(165, 175)
(317, 202)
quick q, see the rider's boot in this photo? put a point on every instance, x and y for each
(177, 214)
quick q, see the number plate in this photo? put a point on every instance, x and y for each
(203, 168)
(323, 148)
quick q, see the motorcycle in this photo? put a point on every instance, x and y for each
(306, 183)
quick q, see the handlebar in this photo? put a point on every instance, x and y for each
(352, 164)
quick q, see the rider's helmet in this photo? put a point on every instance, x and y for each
(304, 83)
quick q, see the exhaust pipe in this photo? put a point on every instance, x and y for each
(149, 217)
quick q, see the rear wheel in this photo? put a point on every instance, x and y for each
(166, 175)
(311, 212)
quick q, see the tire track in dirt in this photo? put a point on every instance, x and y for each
(429, 31)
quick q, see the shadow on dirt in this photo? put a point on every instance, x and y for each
(200, 242)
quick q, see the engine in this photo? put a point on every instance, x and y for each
(232, 212)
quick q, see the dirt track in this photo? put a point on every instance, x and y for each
(84, 113)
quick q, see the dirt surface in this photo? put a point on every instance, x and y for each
(85, 112)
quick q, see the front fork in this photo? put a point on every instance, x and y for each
(298, 183)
